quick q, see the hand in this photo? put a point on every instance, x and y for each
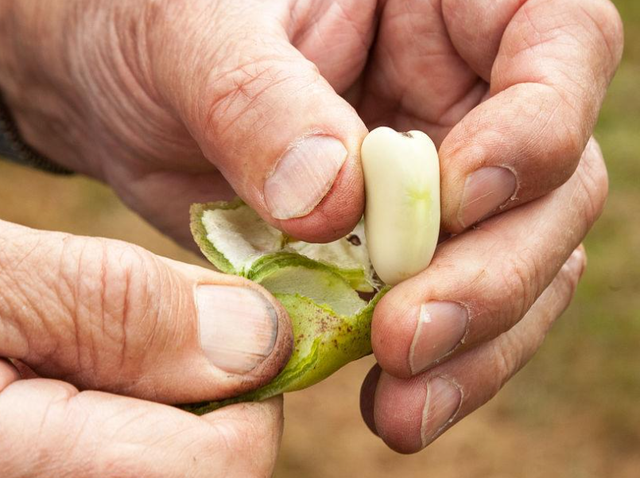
(173, 103)
(447, 340)
(105, 315)
(450, 338)
(51, 429)
(176, 103)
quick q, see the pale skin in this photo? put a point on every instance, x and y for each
(175, 102)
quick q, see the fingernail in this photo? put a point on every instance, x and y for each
(485, 191)
(238, 327)
(441, 327)
(303, 176)
(442, 403)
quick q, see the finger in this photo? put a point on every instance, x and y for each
(336, 36)
(476, 28)
(254, 432)
(8, 374)
(367, 394)
(417, 79)
(24, 371)
(548, 81)
(283, 138)
(108, 315)
(410, 414)
(482, 282)
(47, 426)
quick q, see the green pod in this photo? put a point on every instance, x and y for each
(320, 286)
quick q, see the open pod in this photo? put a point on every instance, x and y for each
(320, 285)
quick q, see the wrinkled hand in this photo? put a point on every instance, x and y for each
(105, 315)
(51, 429)
(513, 90)
(448, 339)
(173, 103)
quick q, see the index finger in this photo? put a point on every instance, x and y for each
(96, 434)
(549, 65)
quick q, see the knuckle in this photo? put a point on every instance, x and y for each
(33, 318)
(503, 286)
(560, 140)
(508, 353)
(241, 95)
(521, 279)
(515, 280)
(112, 287)
(80, 268)
(569, 139)
(131, 280)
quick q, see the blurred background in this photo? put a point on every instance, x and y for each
(573, 412)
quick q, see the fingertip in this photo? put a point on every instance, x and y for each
(244, 332)
(368, 396)
(251, 430)
(300, 168)
(398, 412)
(214, 336)
(512, 149)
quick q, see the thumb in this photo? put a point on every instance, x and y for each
(107, 315)
(283, 138)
